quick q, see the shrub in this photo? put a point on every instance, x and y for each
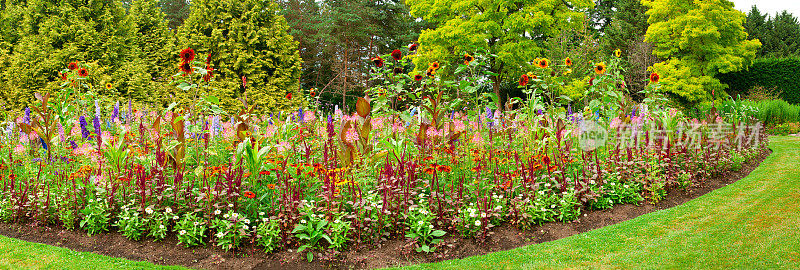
(191, 230)
(131, 224)
(268, 234)
(782, 74)
(95, 217)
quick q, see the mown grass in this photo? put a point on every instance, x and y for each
(18, 254)
(751, 224)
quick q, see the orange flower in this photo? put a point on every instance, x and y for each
(249, 194)
(270, 186)
(430, 170)
(568, 61)
(264, 172)
(443, 168)
(72, 66)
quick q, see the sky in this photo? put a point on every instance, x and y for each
(769, 6)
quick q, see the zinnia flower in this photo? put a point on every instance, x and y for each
(600, 68)
(568, 61)
(270, 186)
(397, 55)
(72, 65)
(249, 194)
(543, 63)
(83, 72)
(312, 92)
(468, 58)
(378, 61)
(187, 55)
(417, 77)
(654, 77)
(413, 47)
(523, 80)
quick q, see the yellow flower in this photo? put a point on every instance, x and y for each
(568, 62)
(600, 68)
(618, 52)
(109, 86)
(568, 71)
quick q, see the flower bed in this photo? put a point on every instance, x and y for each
(312, 181)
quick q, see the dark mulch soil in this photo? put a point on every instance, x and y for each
(391, 253)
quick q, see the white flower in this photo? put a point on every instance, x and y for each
(547, 185)
(483, 215)
(246, 227)
(148, 210)
(235, 215)
(182, 232)
(91, 201)
(303, 221)
(430, 226)
(230, 205)
(478, 222)
(263, 219)
(175, 217)
(591, 182)
(613, 184)
(196, 223)
(260, 213)
(419, 222)
(161, 226)
(552, 206)
(626, 186)
(220, 235)
(169, 210)
(246, 221)
(217, 212)
(472, 214)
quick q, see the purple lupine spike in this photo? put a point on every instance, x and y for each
(96, 109)
(96, 124)
(115, 113)
(331, 131)
(301, 115)
(569, 110)
(61, 134)
(73, 144)
(84, 131)
(27, 118)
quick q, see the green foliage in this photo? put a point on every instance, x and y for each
(699, 39)
(311, 230)
(769, 112)
(785, 129)
(131, 224)
(191, 230)
(268, 235)
(422, 231)
(95, 217)
(230, 230)
(783, 74)
(510, 32)
(245, 39)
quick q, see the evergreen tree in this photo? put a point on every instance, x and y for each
(783, 37)
(175, 11)
(245, 38)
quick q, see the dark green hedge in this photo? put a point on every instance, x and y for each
(783, 73)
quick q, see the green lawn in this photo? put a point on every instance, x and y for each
(752, 224)
(18, 254)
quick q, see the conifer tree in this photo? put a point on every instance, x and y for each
(245, 38)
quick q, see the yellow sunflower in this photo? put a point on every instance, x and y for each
(109, 86)
(543, 63)
(568, 62)
(618, 52)
(600, 68)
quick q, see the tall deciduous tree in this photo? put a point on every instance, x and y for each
(245, 38)
(699, 39)
(510, 31)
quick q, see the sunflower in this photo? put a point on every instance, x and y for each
(109, 86)
(568, 62)
(600, 68)
(397, 70)
(378, 61)
(543, 63)
(417, 77)
(187, 55)
(413, 47)
(468, 58)
(186, 68)
(654, 77)
(431, 71)
(523, 80)
(435, 65)
(72, 65)
(83, 72)
(397, 55)
(617, 52)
